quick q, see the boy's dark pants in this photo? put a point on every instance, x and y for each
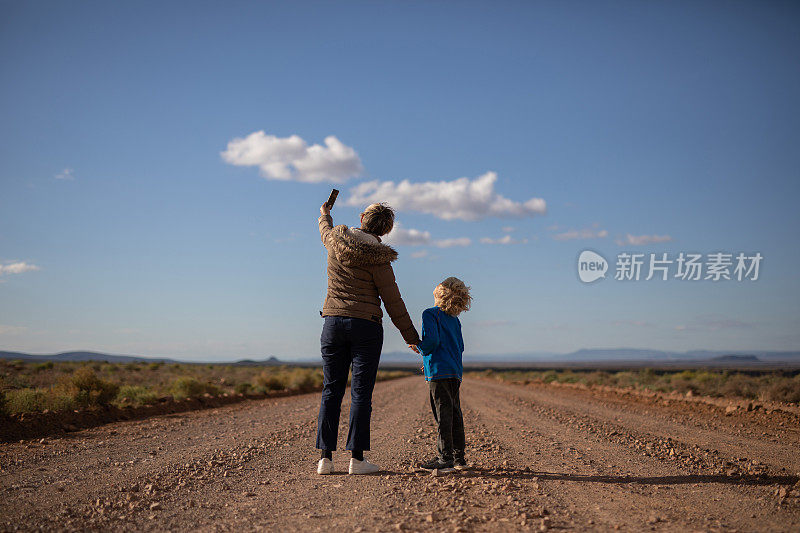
(446, 406)
(345, 341)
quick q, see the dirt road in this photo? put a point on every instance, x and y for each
(543, 456)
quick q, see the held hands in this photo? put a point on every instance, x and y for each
(324, 209)
(416, 350)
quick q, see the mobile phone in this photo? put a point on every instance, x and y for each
(332, 198)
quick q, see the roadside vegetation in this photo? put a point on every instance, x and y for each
(29, 387)
(776, 386)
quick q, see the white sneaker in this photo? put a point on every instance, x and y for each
(325, 466)
(362, 467)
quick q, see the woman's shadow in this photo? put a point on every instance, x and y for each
(688, 479)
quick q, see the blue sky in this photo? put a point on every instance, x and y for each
(124, 227)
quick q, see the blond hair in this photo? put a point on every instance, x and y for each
(378, 219)
(452, 296)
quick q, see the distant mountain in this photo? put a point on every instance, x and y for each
(85, 356)
(637, 355)
(271, 361)
(97, 356)
(646, 355)
(735, 359)
(762, 356)
(621, 354)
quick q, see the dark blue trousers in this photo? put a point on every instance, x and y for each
(345, 341)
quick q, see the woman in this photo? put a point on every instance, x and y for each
(360, 275)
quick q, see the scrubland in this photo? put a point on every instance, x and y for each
(29, 387)
(774, 386)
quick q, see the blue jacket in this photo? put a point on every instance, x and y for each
(442, 345)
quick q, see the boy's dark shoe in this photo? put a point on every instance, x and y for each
(459, 463)
(437, 464)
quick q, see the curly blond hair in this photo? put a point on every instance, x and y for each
(452, 296)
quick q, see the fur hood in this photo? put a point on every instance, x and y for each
(353, 246)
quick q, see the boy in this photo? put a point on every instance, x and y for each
(442, 347)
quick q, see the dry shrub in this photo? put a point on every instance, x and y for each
(385, 375)
(270, 381)
(784, 391)
(596, 378)
(741, 386)
(305, 379)
(35, 386)
(243, 388)
(91, 390)
(774, 386)
(186, 387)
(295, 379)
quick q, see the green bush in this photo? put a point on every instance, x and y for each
(549, 376)
(25, 400)
(37, 400)
(135, 395)
(38, 367)
(186, 387)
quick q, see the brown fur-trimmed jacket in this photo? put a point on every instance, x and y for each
(360, 275)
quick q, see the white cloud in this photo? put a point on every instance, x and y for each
(11, 330)
(66, 174)
(508, 229)
(462, 198)
(503, 240)
(585, 233)
(290, 158)
(400, 236)
(638, 240)
(450, 243)
(17, 267)
(419, 254)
